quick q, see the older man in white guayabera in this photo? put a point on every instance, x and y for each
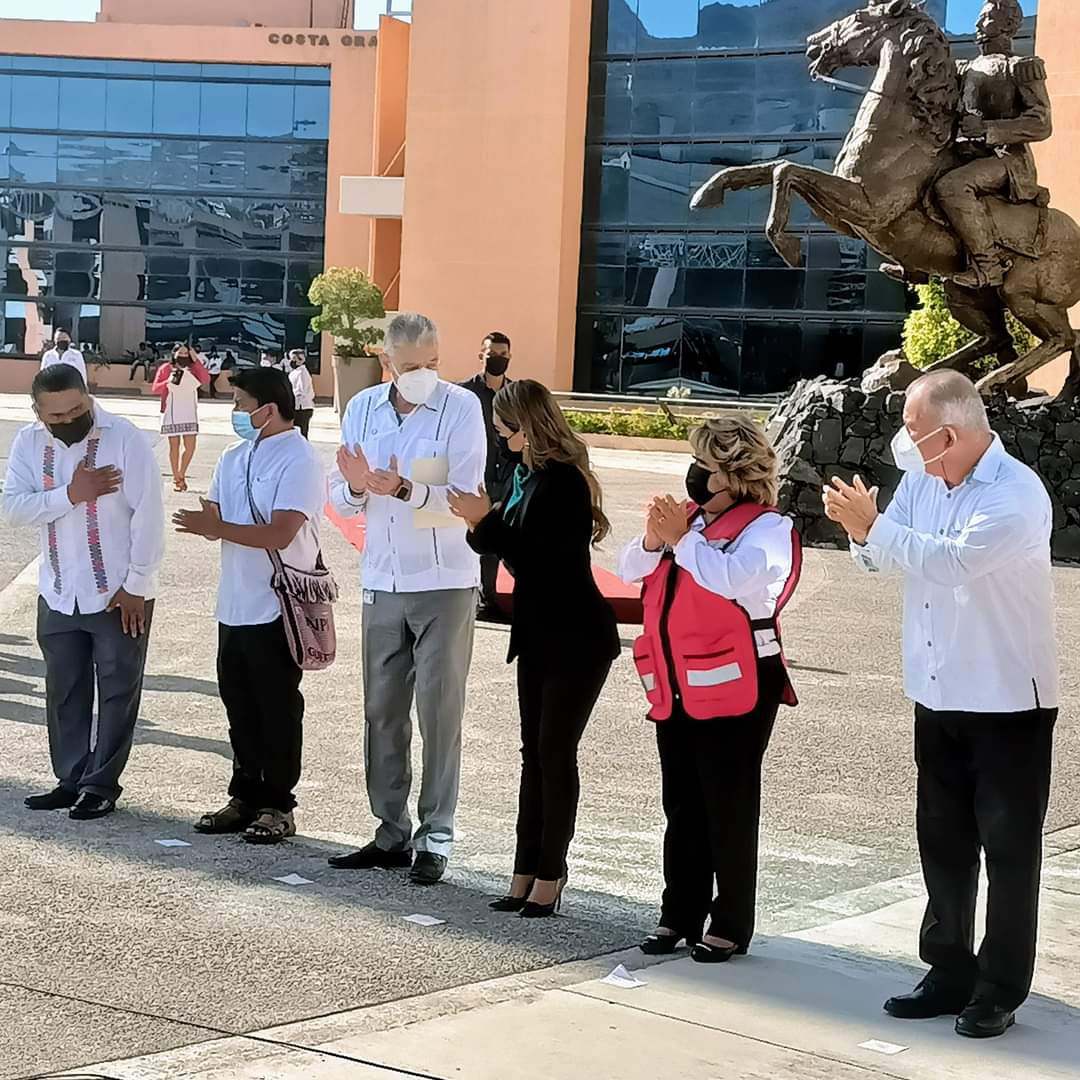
(404, 445)
(970, 530)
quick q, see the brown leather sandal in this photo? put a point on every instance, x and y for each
(270, 827)
(235, 816)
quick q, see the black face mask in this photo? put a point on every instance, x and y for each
(63, 345)
(496, 365)
(697, 484)
(74, 431)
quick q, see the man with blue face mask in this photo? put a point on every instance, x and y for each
(970, 530)
(404, 446)
(274, 470)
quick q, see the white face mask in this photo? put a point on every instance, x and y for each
(905, 451)
(417, 386)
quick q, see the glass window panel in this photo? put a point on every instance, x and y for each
(615, 25)
(260, 293)
(83, 171)
(607, 184)
(307, 182)
(166, 288)
(82, 104)
(598, 353)
(175, 164)
(33, 170)
(235, 71)
(761, 253)
(782, 23)
(786, 96)
(728, 24)
(740, 207)
(129, 105)
(5, 100)
(829, 251)
(835, 290)
(34, 145)
(217, 290)
(712, 356)
(830, 348)
(311, 112)
(270, 110)
(651, 354)
(35, 101)
(222, 108)
(603, 248)
(176, 107)
(714, 288)
(884, 294)
(266, 269)
(129, 67)
(168, 265)
(778, 290)
(610, 116)
(171, 68)
(878, 340)
(659, 186)
(667, 25)
(318, 74)
(127, 162)
(770, 355)
(715, 252)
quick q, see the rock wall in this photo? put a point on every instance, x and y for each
(827, 428)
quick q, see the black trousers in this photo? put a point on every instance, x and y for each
(489, 577)
(556, 701)
(259, 684)
(303, 421)
(984, 784)
(711, 774)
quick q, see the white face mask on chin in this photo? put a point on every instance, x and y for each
(416, 386)
(905, 451)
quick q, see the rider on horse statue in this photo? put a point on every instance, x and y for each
(1004, 107)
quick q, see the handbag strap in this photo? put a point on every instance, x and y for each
(275, 556)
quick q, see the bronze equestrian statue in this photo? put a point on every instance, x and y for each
(937, 175)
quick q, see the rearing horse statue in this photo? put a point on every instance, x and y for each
(904, 140)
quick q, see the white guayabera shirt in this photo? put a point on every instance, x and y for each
(979, 631)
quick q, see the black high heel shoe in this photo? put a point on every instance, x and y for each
(509, 903)
(661, 944)
(530, 910)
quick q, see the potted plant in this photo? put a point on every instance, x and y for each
(351, 305)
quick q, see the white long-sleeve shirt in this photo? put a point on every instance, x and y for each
(70, 356)
(302, 386)
(979, 631)
(398, 556)
(91, 550)
(751, 570)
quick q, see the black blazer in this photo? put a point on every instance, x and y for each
(546, 544)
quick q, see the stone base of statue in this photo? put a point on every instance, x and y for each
(827, 428)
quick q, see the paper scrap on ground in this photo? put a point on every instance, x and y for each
(623, 979)
(880, 1047)
(424, 920)
(172, 843)
(294, 879)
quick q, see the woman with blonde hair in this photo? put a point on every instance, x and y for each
(717, 571)
(564, 634)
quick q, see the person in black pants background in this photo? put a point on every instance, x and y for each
(499, 470)
(564, 634)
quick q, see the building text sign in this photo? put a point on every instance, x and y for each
(355, 40)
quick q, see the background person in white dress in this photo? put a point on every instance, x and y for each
(178, 383)
(303, 389)
(64, 352)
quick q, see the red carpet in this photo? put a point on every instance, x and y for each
(625, 599)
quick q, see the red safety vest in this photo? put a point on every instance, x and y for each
(705, 642)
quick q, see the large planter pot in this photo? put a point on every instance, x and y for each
(353, 374)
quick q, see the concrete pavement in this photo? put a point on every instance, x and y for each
(112, 946)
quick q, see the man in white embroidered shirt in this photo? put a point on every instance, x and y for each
(970, 529)
(405, 444)
(89, 481)
(63, 352)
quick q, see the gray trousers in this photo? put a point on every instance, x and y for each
(415, 645)
(80, 650)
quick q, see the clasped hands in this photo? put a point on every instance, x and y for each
(852, 506)
(363, 479)
(667, 521)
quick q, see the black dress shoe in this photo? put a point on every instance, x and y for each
(428, 868)
(984, 1020)
(704, 953)
(511, 904)
(372, 857)
(88, 806)
(925, 1002)
(661, 944)
(59, 798)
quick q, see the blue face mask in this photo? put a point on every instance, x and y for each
(243, 426)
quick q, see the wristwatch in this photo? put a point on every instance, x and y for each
(402, 492)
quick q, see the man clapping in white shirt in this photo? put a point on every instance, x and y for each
(970, 530)
(88, 480)
(63, 352)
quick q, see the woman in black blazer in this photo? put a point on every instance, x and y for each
(564, 634)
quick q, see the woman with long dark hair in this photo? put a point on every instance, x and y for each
(563, 635)
(177, 383)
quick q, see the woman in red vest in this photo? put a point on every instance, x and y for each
(717, 570)
(564, 633)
